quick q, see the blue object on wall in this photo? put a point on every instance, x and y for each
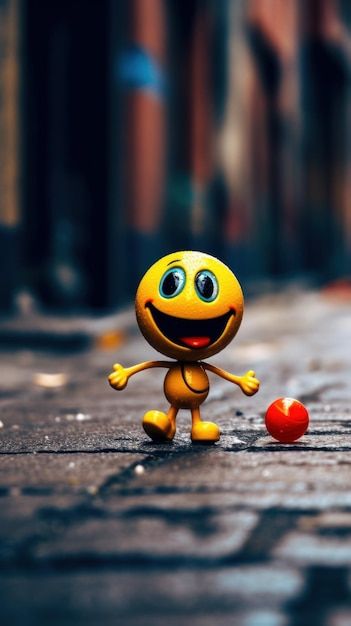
(136, 68)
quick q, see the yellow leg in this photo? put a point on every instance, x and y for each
(203, 432)
(160, 426)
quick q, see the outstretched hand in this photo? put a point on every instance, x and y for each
(249, 384)
(118, 379)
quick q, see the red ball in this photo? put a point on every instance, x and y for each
(286, 419)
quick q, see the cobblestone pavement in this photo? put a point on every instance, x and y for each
(101, 526)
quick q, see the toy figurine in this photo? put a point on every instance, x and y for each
(189, 306)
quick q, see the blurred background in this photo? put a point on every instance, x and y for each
(133, 128)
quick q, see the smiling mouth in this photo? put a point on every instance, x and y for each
(190, 333)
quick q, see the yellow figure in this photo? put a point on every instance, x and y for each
(189, 306)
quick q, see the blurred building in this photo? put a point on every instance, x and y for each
(130, 129)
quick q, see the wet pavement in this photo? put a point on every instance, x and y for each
(101, 526)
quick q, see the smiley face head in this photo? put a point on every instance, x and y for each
(189, 305)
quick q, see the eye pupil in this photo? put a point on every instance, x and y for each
(206, 286)
(170, 283)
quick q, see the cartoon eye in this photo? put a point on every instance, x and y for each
(206, 286)
(172, 282)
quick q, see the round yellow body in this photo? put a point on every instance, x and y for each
(186, 385)
(159, 317)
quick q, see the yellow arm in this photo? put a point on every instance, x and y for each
(118, 379)
(248, 383)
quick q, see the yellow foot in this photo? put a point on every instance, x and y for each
(205, 432)
(158, 426)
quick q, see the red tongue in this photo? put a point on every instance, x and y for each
(196, 342)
